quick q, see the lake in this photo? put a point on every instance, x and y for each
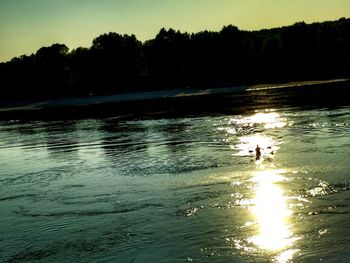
(185, 188)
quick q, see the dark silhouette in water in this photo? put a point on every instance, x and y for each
(120, 63)
(257, 152)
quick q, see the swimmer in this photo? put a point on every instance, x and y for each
(257, 152)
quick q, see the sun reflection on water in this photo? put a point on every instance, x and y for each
(247, 144)
(271, 213)
(269, 119)
(248, 139)
(269, 207)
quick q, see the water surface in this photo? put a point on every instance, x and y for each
(184, 189)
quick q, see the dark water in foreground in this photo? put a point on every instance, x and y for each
(185, 189)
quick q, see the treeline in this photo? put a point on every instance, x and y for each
(120, 63)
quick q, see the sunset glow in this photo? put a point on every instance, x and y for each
(28, 25)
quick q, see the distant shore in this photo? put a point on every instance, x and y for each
(168, 101)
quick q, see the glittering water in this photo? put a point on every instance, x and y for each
(178, 190)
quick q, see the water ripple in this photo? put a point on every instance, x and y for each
(24, 212)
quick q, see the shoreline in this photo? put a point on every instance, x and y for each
(166, 102)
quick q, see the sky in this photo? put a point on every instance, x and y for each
(27, 25)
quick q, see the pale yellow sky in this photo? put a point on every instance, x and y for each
(25, 26)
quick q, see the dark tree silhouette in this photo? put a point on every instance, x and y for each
(167, 57)
(120, 63)
(116, 62)
(52, 71)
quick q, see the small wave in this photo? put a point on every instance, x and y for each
(116, 237)
(7, 198)
(201, 196)
(322, 212)
(188, 212)
(40, 177)
(23, 212)
(324, 189)
(199, 186)
(69, 186)
(30, 255)
(337, 209)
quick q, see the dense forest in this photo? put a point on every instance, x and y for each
(120, 63)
